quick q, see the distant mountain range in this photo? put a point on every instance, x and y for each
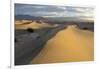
(27, 17)
(52, 19)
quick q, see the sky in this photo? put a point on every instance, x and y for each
(54, 11)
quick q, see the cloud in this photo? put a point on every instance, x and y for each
(53, 11)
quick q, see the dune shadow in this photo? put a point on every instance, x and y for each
(26, 50)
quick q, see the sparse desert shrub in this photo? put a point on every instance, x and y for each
(85, 28)
(38, 36)
(30, 30)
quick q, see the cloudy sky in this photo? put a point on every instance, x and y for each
(53, 11)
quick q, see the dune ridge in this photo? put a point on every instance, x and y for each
(68, 45)
(34, 25)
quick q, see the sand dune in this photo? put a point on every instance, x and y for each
(29, 24)
(68, 45)
(28, 45)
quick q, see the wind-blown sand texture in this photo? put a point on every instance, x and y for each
(68, 45)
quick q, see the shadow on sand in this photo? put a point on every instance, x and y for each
(31, 45)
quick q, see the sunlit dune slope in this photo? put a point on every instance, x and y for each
(68, 45)
(34, 25)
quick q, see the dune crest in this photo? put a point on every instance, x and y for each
(34, 25)
(68, 45)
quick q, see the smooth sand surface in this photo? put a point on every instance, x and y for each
(68, 45)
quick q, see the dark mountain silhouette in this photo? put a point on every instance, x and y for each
(27, 17)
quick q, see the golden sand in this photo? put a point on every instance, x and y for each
(34, 25)
(68, 45)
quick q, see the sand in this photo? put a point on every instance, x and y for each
(33, 25)
(68, 45)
